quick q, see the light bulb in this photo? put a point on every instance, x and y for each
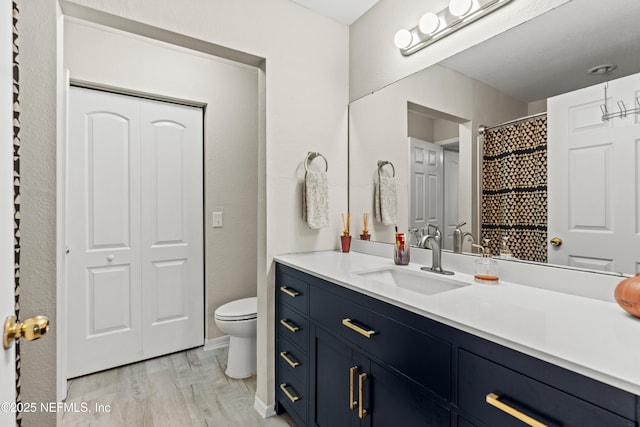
(403, 39)
(460, 7)
(429, 23)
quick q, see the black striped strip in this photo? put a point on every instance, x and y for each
(514, 227)
(515, 190)
(541, 147)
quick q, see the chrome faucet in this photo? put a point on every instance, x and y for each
(459, 236)
(434, 241)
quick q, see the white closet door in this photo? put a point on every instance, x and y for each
(172, 232)
(103, 233)
(135, 262)
(593, 179)
(426, 186)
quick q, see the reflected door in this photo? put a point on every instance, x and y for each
(426, 187)
(594, 179)
(134, 221)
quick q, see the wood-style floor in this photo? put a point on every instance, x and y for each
(181, 389)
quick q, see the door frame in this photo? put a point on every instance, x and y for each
(7, 235)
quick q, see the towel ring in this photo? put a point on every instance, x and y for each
(312, 155)
(382, 163)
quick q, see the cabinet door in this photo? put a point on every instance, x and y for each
(337, 368)
(395, 400)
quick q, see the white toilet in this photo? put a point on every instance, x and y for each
(238, 319)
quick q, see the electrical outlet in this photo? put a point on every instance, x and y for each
(217, 219)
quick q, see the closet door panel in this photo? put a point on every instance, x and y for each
(103, 236)
(172, 206)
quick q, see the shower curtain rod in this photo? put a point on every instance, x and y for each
(482, 129)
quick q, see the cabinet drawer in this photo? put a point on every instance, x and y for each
(480, 381)
(291, 360)
(419, 356)
(293, 326)
(292, 393)
(292, 291)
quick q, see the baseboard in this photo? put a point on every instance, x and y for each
(265, 411)
(216, 343)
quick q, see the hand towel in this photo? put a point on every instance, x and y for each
(386, 204)
(315, 199)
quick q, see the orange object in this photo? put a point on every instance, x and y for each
(627, 294)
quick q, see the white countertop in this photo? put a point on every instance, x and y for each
(589, 336)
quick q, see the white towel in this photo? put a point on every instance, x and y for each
(315, 199)
(386, 203)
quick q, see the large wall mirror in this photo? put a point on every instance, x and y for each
(427, 125)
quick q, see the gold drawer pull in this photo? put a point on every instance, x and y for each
(349, 324)
(492, 399)
(353, 404)
(289, 292)
(361, 411)
(291, 363)
(286, 324)
(291, 397)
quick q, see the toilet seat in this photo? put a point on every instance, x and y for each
(242, 309)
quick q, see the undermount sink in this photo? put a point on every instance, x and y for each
(422, 282)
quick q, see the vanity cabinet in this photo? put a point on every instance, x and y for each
(351, 388)
(346, 359)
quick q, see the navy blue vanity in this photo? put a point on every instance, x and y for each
(345, 359)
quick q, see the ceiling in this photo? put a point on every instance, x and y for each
(344, 11)
(551, 54)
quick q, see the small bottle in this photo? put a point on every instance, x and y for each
(486, 268)
(401, 250)
(505, 252)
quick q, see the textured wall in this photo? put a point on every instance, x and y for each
(37, 32)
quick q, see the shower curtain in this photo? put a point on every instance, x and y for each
(514, 188)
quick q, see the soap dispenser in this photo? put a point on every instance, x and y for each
(486, 268)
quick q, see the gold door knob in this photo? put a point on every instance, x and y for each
(556, 241)
(31, 329)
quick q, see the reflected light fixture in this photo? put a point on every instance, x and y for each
(435, 26)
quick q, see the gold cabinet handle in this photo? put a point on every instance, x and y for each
(349, 324)
(492, 399)
(291, 397)
(353, 403)
(31, 329)
(286, 324)
(361, 411)
(291, 363)
(289, 292)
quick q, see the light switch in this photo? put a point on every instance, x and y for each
(217, 219)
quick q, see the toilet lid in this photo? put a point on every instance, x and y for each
(242, 309)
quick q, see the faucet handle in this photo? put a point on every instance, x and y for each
(461, 224)
(435, 227)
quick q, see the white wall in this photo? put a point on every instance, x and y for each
(37, 29)
(375, 62)
(306, 85)
(229, 91)
(378, 131)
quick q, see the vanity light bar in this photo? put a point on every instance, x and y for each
(430, 29)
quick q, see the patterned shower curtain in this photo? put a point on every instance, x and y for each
(514, 189)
